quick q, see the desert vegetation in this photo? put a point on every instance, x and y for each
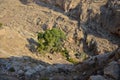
(51, 41)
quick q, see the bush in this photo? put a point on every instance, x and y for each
(65, 53)
(72, 60)
(50, 40)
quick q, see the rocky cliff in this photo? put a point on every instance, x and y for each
(111, 16)
(92, 29)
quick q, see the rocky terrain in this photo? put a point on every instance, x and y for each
(92, 29)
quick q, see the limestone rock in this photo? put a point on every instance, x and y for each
(112, 70)
(110, 16)
(65, 5)
(31, 71)
(97, 77)
(5, 77)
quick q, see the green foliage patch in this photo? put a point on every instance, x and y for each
(51, 40)
(65, 53)
(72, 60)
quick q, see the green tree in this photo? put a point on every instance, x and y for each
(51, 40)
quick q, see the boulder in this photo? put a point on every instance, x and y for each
(97, 77)
(112, 70)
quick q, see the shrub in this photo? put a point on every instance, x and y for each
(72, 60)
(50, 40)
(65, 53)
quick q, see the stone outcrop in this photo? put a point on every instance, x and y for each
(100, 67)
(110, 16)
(112, 70)
(87, 9)
(65, 5)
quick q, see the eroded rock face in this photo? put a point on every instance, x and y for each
(111, 16)
(112, 70)
(66, 5)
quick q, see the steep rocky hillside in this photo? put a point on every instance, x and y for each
(22, 22)
(92, 29)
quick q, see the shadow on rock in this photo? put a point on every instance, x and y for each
(27, 68)
(32, 46)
